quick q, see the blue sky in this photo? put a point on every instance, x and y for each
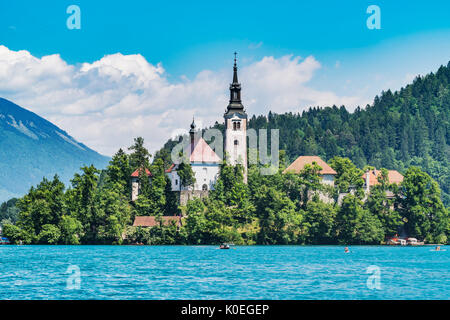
(189, 37)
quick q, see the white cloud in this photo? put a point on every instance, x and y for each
(105, 104)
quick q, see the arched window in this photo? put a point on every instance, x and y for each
(205, 187)
(239, 126)
(236, 142)
(234, 126)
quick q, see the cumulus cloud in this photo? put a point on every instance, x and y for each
(105, 104)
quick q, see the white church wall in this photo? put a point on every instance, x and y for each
(204, 174)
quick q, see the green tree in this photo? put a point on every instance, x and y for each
(50, 234)
(355, 225)
(9, 213)
(81, 202)
(347, 176)
(71, 230)
(420, 205)
(140, 157)
(279, 222)
(311, 181)
(187, 176)
(319, 221)
(118, 173)
(17, 235)
(157, 194)
(382, 207)
(43, 205)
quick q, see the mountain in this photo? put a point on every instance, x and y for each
(401, 129)
(32, 148)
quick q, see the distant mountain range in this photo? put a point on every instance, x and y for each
(32, 148)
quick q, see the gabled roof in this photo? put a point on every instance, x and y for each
(135, 173)
(150, 221)
(393, 176)
(301, 161)
(202, 152)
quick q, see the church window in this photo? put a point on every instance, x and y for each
(236, 142)
(234, 126)
(239, 126)
(205, 187)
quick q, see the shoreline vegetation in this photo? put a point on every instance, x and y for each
(407, 130)
(278, 209)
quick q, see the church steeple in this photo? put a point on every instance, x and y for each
(236, 126)
(192, 133)
(235, 77)
(235, 91)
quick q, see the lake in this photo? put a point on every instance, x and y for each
(205, 272)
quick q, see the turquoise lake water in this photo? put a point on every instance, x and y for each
(205, 272)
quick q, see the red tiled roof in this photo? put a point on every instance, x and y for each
(202, 152)
(135, 174)
(150, 221)
(301, 161)
(393, 177)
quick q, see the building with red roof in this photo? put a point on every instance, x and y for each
(326, 173)
(205, 164)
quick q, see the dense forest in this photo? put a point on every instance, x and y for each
(406, 130)
(410, 127)
(283, 208)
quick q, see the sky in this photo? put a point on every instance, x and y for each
(145, 68)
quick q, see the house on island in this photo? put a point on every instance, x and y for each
(327, 174)
(371, 179)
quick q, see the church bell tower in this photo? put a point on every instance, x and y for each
(236, 126)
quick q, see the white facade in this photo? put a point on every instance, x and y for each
(236, 141)
(206, 175)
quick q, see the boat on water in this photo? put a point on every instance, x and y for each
(224, 246)
(397, 241)
(414, 242)
(4, 240)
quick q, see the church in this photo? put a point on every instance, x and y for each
(205, 163)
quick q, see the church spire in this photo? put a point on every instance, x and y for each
(192, 133)
(235, 77)
(235, 91)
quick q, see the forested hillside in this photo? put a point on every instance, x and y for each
(400, 129)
